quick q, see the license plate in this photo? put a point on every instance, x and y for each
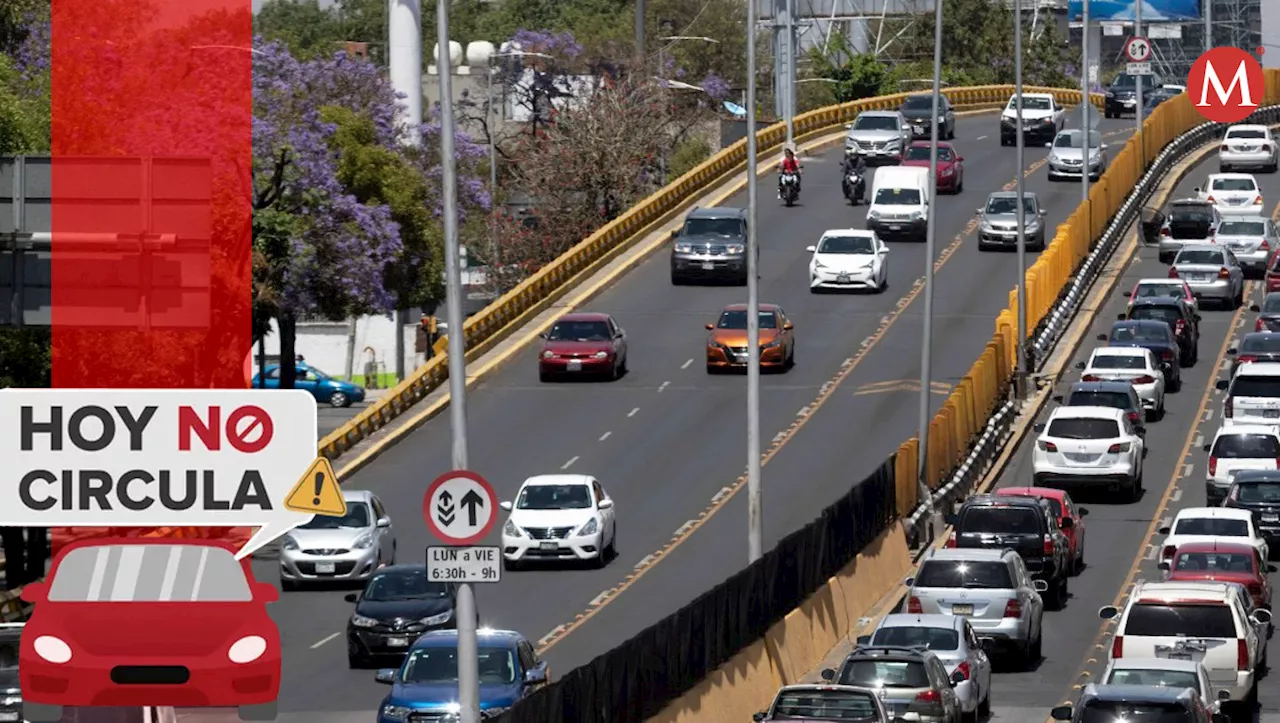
(550, 546)
(9, 715)
(708, 266)
(573, 366)
(919, 129)
(1174, 656)
(741, 357)
(397, 642)
(325, 568)
(1248, 149)
(843, 278)
(895, 227)
(961, 609)
(1198, 277)
(1271, 518)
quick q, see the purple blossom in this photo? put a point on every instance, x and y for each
(561, 44)
(715, 86)
(32, 56)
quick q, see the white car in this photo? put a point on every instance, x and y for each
(1042, 118)
(1132, 364)
(849, 259)
(1233, 193)
(1164, 673)
(1095, 446)
(1202, 621)
(1239, 447)
(1211, 524)
(560, 517)
(1252, 395)
(1248, 146)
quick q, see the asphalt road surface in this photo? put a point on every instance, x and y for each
(667, 439)
(1119, 538)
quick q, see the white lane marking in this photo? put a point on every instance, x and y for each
(1208, 414)
(648, 560)
(803, 412)
(1186, 469)
(1177, 495)
(599, 599)
(1152, 552)
(569, 464)
(1165, 521)
(686, 364)
(324, 640)
(983, 138)
(551, 635)
(664, 386)
(1199, 441)
(605, 436)
(632, 413)
(688, 525)
(779, 436)
(720, 495)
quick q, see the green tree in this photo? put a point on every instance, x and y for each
(25, 357)
(306, 28)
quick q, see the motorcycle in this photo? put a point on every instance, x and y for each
(855, 186)
(789, 188)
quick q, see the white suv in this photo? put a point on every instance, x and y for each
(1089, 445)
(1211, 524)
(1236, 447)
(1202, 621)
(1253, 395)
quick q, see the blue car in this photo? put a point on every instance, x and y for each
(425, 686)
(326, 389)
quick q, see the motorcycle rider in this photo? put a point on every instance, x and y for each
(791, 166)
(853, 163)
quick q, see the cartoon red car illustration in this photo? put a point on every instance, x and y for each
(149, 622)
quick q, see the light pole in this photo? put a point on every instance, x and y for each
(789, 83)
(755, 519)
(1085, 87)
(1137, 113)
(931, 233)
(1020, 377)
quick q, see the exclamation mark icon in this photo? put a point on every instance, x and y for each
(319, 486)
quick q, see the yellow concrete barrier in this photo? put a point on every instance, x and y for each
(528, 299)
(792, 647)
(962, 418)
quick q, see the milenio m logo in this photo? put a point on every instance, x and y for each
(1226, 85)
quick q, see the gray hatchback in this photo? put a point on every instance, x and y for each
(710, 246)
(911, 682)
(998, 222)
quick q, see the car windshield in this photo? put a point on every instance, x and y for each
(1176, 679)
(860, 245)
(1126, 333)
(358, 516)
(921, 153)
(1207, 620)
(1083, 428)
(1212, 527)
(1115, 400)
(1214, 561)
(440, 665)
(912, 636)
(1246, 133)
(554, 497)
(726, 227)
(1268, 492)
(580, 331)
(825, 705)
(1255, 386)
(1246, 446)
(1234, 184)
(898, 197)
(1260, 343)
(1008, 205)
(1242, 228)
(149, 573)
(884, 674)
(1117, 361)
(1073, 139)
(1197, 256)
(875, 123)
(1271, 303)
(1124, 80)
(1018, 520)
(920, 102)
(946, 573)
(1030, 103)
(405, 584)
(1160, 291)
(1110, 711)
(9, 639)
(738, 320)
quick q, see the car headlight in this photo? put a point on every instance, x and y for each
(361, 621)
(773, 344)
(735, 248)
(395, 712)
(590, 528)
(10, 701)
(548, 354)
(440, 619)
(684, 248)
(873, 213)
(288, 543)
(946, 171)
(52, 649)
(601, 354)
(1111, 94)
(916, 215)
(247, 649)
(510, 529)
(364, 542)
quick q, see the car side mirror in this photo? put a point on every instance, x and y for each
(1164, 565)
(505, 505)
(884, 249)
(1067, 523)
(757, 717)
(848, 126)
(864, 640)
(1261, 616)
(1222, 384)
(605, 504)
(1128, 294)
(35, 592)
(1038, 426)
(543, 335)
(788, 326)
(265, 592)
(1196, 189)
(1164, 530)
(384, 522)
(1058, 398)
(1044, 212)
(1102, 337)
(828, 675)
(386, 676)
(1080, 365)
(1040, 585)
(1062, 712)
(908, 581)
(1255, 308)
(1220, 717)
(1107, 612)
(959, 159)
(1273, 568)
(710, 327)
(1140, 430)
(811, 249)
(1121, 316)
(675, 234)
(1206, 447)
(352, 597)
(906, 128)
(957, 678)
(951, 518)
(1197, 317)
(535, 676)
(978, 211)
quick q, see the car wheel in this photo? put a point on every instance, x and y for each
(543, 376)
(984, 705)
(1134, 488)
(289, 585)
(624, 368)
(1037, 651)
(337, 400)
(612, 549)
(512, 565)
(393, 554)
(356, 661)
(676, 280)
(41, 713)
(261, 711)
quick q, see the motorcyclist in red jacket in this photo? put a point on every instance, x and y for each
(789, 165)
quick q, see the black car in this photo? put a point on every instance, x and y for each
(1153, 335)
(1258, 490)
(1152, 99)
(1184, 323)
(1260, 346)
(918, 110)
(397, 607)
(10, 694)
(1146, 703)
(1268, 313)
(1122, 94)
(1025, 525)
(1113, 394)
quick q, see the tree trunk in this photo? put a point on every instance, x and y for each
(288, 350)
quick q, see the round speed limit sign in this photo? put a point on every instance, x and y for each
(1138, 50)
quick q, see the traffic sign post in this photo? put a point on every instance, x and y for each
(460, 508)
(1139, 69)
(1137, 50)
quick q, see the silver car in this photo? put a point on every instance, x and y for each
(998, 221)
(1251, 238)
(1066, 157)
(878, 136)
(1189, 221)
(1212, 272)
(1162, 672)
(991, 588)
(952, 639)
(349, 548)
(911, 682)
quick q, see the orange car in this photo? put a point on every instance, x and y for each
(727, 342)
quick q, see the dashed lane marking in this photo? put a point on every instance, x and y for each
(632, 413)
(569, 464)
(324, 640)
(664, 385)
(686, 364)
(605, 436)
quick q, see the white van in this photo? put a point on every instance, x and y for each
(1253, 395)
(900, 198)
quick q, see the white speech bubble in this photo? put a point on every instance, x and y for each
(155, 458)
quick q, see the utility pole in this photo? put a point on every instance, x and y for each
(755, 518)
(1086, 85)
(789, 82)
(1020, 378)
(465, 604)
(404, 42)
(1141, 79)
(640, 30)
(1208, 25)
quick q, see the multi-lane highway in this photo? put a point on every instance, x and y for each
(1120, 537)
(667, 439)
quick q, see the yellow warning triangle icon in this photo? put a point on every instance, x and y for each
(317, 492)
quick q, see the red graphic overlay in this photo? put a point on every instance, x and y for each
(1226, 85)
(152, 199)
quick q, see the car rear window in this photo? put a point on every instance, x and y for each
(1271, 303)
(1261, 342)
(1084, 428)
(1117, 361)
(1207, 620)
(897, 197)
(885, 673)
(1108, 711)
(1212, 527)
(1159, 313)
(951, 573)
(825, 705)
(1242, 133)
(1258, 492)
(910, 637)
(1242, 228)
(1196, 256)
(1215, 561)
(1160, 291)
(1176, 679)
(1246, 446)
(1138, 332)
(1234, 184)
(1012, 520)
(1255, 386)
(1115, 400)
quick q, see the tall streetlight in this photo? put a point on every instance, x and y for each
(1086, 79)
(1137, 113)
(755, 518)
(1020, 377)
(671, 40)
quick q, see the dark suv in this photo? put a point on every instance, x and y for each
(711, 245)
(1026, 525)
(1258, 490)
(1122, 94)
(1182, 321)
(911, 681)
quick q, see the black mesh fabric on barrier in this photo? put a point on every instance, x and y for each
(635, 680)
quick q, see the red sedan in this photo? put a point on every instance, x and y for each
(583, 345)
(1070, 518)
(950, 165)
(1222, 562)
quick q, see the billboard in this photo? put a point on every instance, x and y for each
(1153, 11)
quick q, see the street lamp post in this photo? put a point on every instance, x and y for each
(755, 519)
(1020, 377)
(1086, 78)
